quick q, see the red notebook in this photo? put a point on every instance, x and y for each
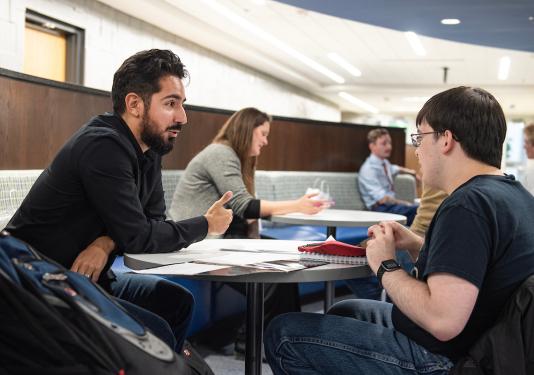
(333, 248)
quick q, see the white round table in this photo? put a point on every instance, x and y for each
(333, 218)
(254, 281)
(339, 218)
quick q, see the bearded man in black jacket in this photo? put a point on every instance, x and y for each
(103, 195)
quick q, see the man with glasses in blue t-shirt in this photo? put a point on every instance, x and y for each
(478, 250)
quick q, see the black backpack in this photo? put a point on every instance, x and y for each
(54, 321)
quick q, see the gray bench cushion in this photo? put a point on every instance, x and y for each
(285, 185)
(270, 185)
(14, 185)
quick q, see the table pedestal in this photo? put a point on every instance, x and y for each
(254, 328)
(329, 286)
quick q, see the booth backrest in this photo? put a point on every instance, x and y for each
(342, 186)
(170, 178)
(14, 186)
(270, 185)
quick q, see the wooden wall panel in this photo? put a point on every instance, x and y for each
(294, 144)
(36, 119)
(37, 116)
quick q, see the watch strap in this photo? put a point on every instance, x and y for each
(383, 269)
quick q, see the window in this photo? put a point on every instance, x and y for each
(53, 49)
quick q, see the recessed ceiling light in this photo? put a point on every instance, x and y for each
(345, 64)
(504, 68)
(415, 43)
(531, 18)
(450, 21)
(358, 102)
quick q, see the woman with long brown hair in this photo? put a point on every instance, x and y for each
(229, 163)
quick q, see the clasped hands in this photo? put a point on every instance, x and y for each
(387, 236)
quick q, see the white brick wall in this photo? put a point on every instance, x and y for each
(111, 36)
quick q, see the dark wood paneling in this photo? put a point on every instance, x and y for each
(294, 144)
(37, 116)
(36, 119)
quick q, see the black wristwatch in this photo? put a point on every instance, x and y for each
(386, 266)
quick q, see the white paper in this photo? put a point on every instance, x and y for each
(181, 269)
(247, 258)
(264, 246)
(185, 256)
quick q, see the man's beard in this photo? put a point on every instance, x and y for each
(156, 141)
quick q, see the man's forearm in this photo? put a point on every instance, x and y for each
(411, 296)
(441, 307)
(105, 243)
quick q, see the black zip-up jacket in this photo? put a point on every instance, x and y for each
(101, 183)
(508, 347)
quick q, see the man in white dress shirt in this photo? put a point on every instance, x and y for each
(375, 178)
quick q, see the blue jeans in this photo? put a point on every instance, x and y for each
(402, 209)
(367, 287)
(356, 337)
(162, 297)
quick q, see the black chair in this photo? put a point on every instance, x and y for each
(508, 347)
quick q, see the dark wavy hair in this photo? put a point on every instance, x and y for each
(141, 74)
(473, 116)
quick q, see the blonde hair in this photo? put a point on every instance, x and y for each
(237, 133)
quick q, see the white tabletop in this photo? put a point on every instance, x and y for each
(339, 218)
(205, 250)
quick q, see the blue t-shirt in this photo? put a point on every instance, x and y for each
(484, 233)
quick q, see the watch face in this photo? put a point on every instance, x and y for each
(390, 264)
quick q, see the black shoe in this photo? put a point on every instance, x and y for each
(240, 347)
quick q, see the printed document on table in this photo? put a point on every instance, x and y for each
(181, 269)
(247, 258)
(264, 246)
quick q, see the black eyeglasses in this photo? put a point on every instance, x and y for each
(417, 138)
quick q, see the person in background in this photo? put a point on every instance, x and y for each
(431, 199)
(102, 195)
(479, 248)
(228, 164)
(528, 179)
(376, 176)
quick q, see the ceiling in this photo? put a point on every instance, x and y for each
(292, 44)
(492, 23)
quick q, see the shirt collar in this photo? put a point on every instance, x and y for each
(377, 160)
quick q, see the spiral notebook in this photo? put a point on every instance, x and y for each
(333, 252)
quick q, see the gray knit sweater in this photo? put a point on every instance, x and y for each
(212, 172)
